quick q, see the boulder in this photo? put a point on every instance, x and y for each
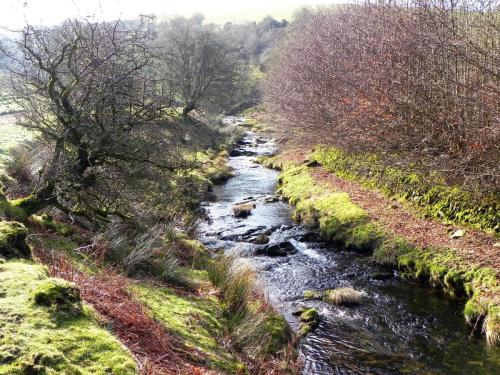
(309, 320)
(261, 239)
(310, 237)
(278, 249)
(273, 199)
(381, 276)
(13, 240)
(57, 294)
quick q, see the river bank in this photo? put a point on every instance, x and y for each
(399, 327)
(365, 220)
(168, 310)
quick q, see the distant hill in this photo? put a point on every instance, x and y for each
(251, 14)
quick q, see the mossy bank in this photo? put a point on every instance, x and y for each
(319, 205)
(46, 329)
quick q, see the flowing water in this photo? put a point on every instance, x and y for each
(400, 328)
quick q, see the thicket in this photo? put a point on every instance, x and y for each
(415, 82)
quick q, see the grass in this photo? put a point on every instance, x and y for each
(344, 296)
(212, 167)
(257, 329)
(38, 339)
(243, 210)
(11, 135)
(197, 320)
(338, 218)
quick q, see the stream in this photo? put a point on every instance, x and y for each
(399, 328)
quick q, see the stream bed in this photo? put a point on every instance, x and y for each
(399, 328)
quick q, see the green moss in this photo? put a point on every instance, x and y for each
(309, 320)
(197, 320)
(39, 340)
(309, 315)
(428, 191)
(212, 167)
(48, 222)
(277, 327)
(491, 325)
(390, 250)
(253, 124)
(8, 211)
(337, 217)
(312, 294)
(57, 294)
(13, 240)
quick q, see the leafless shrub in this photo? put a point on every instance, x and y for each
(415, 79)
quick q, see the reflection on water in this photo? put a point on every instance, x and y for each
(398, 329)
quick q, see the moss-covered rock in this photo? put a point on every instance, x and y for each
(261, 239)
(491, 326)
(13, 240)
(312, 294)
(35, 340)
(309, 320)
(57, 294)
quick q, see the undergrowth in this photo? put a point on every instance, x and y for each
(428, 191)
(256, 329)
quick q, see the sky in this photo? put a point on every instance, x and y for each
(16, 13)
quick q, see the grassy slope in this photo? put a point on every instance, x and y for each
(197, 319)
(339, 219)
(36, 338)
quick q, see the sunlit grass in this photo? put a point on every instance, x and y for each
(11, 135)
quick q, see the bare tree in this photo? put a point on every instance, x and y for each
(416, 79)
(198, 65)
(90, 90)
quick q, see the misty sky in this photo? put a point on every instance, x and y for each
(15, 13)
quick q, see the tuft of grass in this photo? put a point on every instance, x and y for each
(39, 340)
(243, 209)
(238, 289)
(344, 296)
(256, 328)
(218, 270)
